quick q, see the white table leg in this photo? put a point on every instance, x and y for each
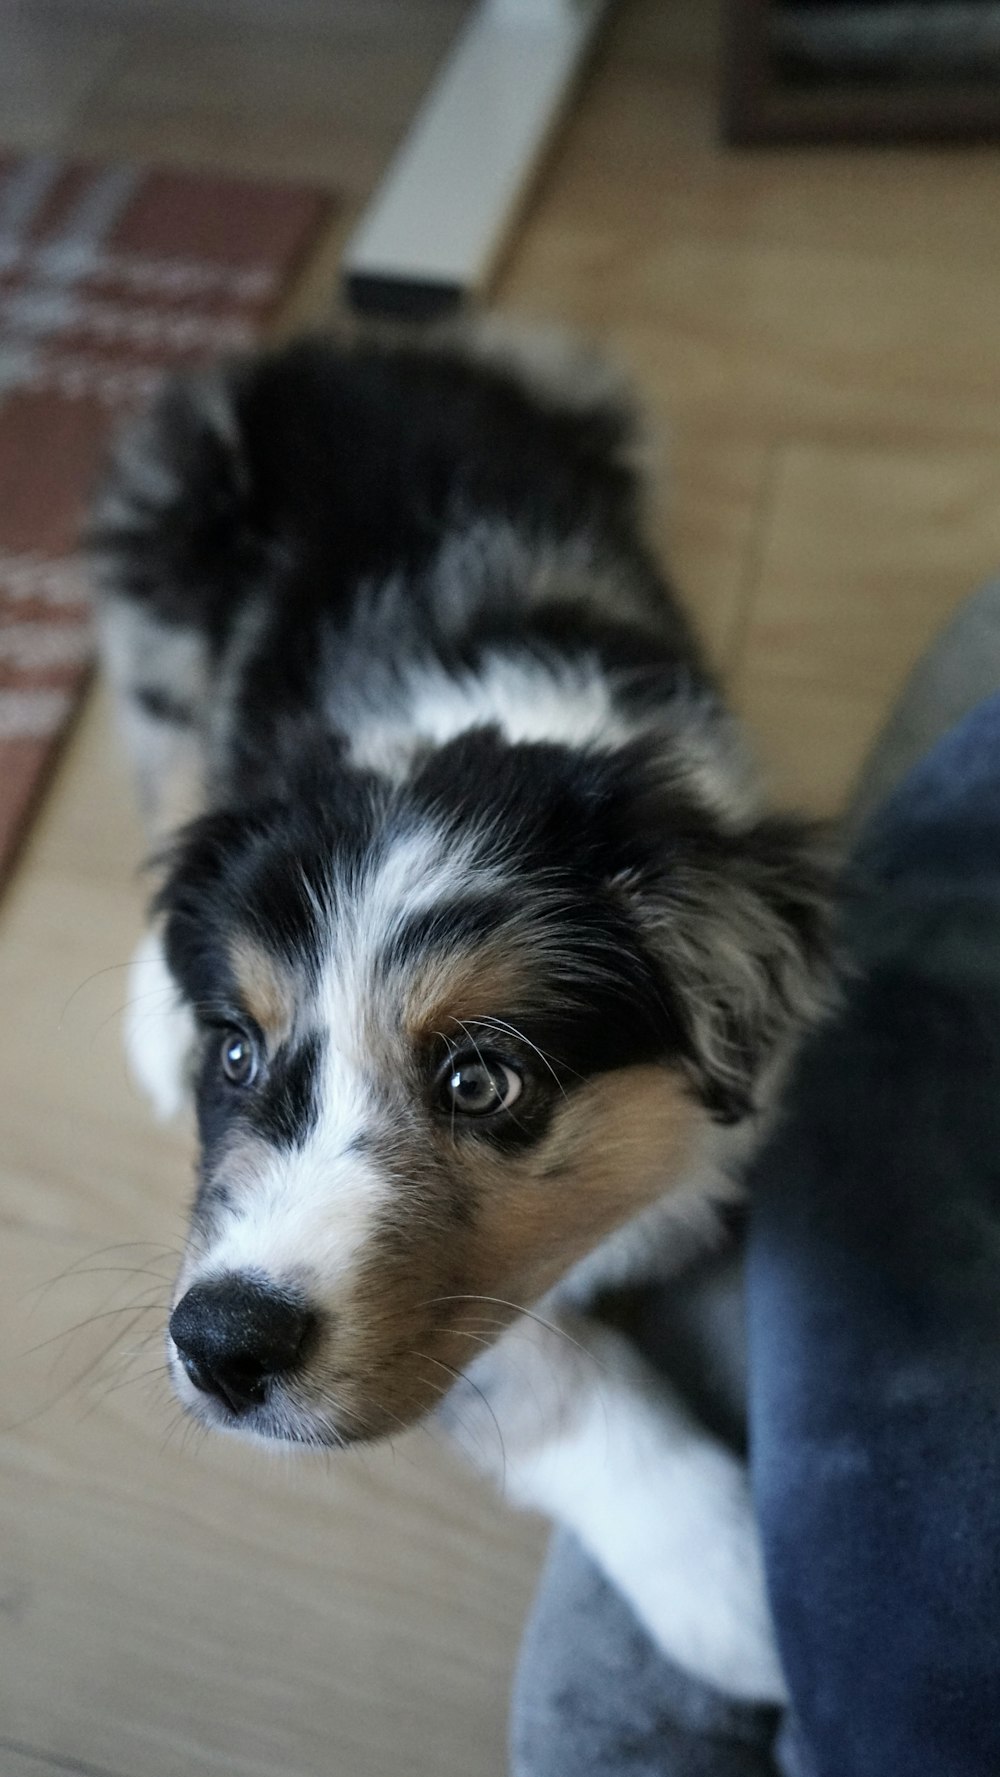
(433, 232)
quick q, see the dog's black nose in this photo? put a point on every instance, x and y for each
(235, 1333)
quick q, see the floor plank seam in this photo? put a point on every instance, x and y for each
(54, 1762)
(751, 574)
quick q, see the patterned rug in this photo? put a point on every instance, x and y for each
(108, 276)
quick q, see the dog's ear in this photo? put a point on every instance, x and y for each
(172, 526)
(738, 918)
(160, 1032)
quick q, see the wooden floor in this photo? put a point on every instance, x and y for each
(818, 338)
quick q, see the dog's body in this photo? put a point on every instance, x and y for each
(476, 947)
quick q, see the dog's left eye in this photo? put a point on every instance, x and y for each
(239, 1058)
(477, 1085)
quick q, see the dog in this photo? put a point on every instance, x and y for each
(471, 943)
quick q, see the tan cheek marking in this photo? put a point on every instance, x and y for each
(265, 989)
(404, 1321)
(618, 1144)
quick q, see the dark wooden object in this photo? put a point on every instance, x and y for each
(762, 105)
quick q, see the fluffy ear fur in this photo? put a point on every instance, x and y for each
(171, 526)
(740, 923)
(159, 1029)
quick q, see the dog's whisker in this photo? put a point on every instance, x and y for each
(109, 969)
(77, 1381)
(174, 1424)
(92, 1320)
(167, 995)
(500, 1302)
(462, 1333)
(439, 1392)
(502, 1024)
(130, 1381)
(134, 1272)
(459, 1376)
(81, 1265)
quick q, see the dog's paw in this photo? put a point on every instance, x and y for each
(571, 1421)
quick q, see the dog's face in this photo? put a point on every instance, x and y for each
(449, 1035)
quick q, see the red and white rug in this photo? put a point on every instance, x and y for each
(109, 275)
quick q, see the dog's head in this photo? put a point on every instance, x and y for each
(449, 1030)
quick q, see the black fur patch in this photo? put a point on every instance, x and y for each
(285, 1107)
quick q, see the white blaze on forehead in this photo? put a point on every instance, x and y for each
(311, 1212)
(307, 1215)
(421, 869)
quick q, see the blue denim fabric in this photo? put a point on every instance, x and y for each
(874, 1306)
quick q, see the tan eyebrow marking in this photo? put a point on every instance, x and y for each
(266, 989)
(447, 991)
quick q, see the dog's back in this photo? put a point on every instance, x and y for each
(301, 536)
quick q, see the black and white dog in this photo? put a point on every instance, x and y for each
(477, 953)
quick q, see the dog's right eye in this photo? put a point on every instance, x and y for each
(478, 1085)
(239, 1058)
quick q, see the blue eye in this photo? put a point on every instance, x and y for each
(239, 1058)
(478, 1085)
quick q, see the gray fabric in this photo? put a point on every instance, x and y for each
(594, 1696)
(960, 670)
(794, 1759)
